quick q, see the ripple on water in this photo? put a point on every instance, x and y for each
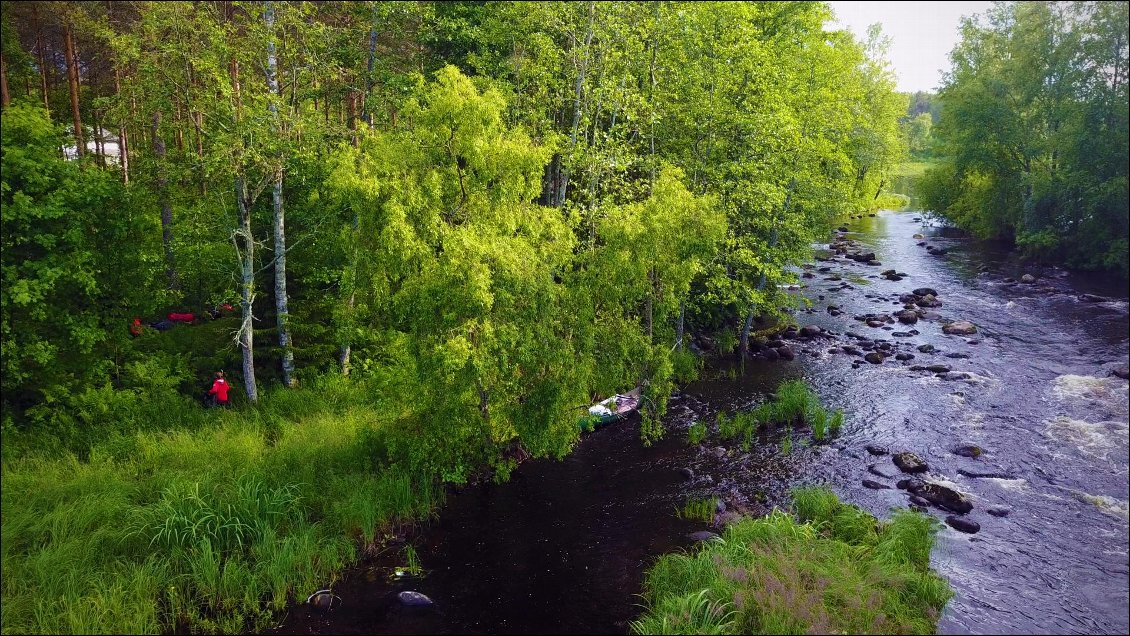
(1107, 504)
(1096, 439)
(1107, 391)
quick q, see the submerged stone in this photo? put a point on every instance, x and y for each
(414, 599)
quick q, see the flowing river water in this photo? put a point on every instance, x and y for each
(563, 546)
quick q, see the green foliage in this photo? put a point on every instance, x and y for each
(696, 433)
(831, 569)
(836, 422)
(1035, 133)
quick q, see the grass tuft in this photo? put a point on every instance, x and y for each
(831, 568)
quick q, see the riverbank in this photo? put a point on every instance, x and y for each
(214, 530)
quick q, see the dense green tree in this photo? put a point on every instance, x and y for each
(1034, 131)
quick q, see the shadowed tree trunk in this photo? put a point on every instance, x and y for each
(4, 98)
(166, 203)
(72, 78)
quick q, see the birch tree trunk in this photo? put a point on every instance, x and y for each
(246, 289)
(582, 67)
(282, 315)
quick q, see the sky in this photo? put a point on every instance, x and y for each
(922, 35)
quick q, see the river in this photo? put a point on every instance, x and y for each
(563, 546)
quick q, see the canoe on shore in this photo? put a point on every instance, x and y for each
(612, 409)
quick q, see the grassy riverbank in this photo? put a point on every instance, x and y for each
(211, 530)
(827, 568)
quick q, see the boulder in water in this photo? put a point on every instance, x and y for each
(960, 328)
(874, 485)
(909, 462)
(926, 348)
(910, 484)
(414, 599)
(785, 353)
(876, 450)
(998, 511)
(1122, 372)
(1028, 279)
(925, 291)
(908, 317)
(810, 331)
(968, 450)
(962, 525)
(945, 497)
(874, 357)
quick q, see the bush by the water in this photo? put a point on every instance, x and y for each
(827, 568)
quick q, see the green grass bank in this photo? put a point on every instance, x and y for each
(826, 568)
(213, 527)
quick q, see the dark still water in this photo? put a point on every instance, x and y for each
(563, 546)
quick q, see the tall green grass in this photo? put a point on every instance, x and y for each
(794, 404)
(699, 509)
(828, 568)
(207, 530)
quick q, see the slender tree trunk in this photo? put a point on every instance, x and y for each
(72, 77)
(166, 203)
(123, 147)
(39, 46)
(281, 313)
(367, 109)
(5, 99)
(246, 289)
(246, 255)
(582, 67)
(679, 324)
(651, 93)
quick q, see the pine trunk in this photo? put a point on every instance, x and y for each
(5, 99)
(72, 78)
(281, 312)
(42, 61)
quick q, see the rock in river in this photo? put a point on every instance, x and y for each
(998, 511)
(962, 525)
(1028, 279)
(414, 599)
(883, 470)
(874, 357)
(968, 450)
(874, 485)
(926, 348)
(924, 291)
(876, 450)
(960, 328)
(909, 462)
(908, 317)
(945, 497)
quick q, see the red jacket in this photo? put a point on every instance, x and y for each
(175, 317)
(220, 389)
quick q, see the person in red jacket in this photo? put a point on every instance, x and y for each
(135, 328)
(219, 391)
